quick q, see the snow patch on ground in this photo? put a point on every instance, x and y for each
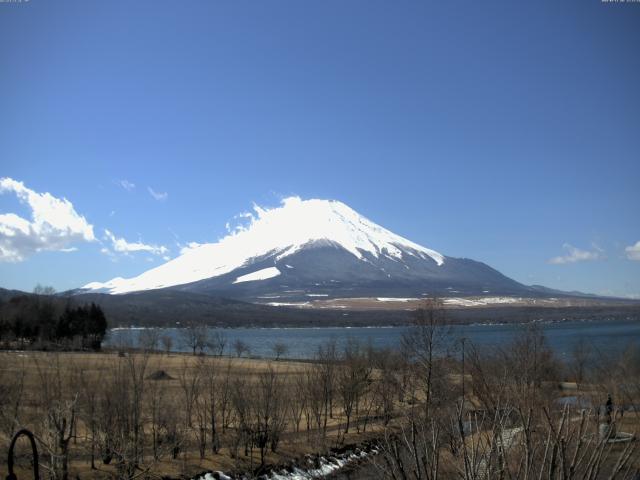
(289, 304)
(263, 274)
(220, 475)
(480, 301)
(389, 299)
(321, 467)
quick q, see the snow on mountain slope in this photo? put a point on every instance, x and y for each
(280, 231)
(263, 274)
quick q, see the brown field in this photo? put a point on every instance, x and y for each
(73, 371)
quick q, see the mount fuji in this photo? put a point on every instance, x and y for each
(315, 248)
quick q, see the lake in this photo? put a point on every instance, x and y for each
(605, 336)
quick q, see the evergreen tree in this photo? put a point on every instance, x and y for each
(30, 319)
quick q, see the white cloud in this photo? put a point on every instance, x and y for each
(120, 245)
(127, 185)
(246, 217)
(633, 251)
(189, 246)
(160, 196)
(53, 226)
(574, 255)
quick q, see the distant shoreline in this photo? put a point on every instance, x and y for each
(407, 325)
(302, 318)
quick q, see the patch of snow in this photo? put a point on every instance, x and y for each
(280, 231)
(479, 301)
(502, 299)
(220, 475)
(288, 304)
(326, 466)
(385, 299)
(263, 274)
(464, 302)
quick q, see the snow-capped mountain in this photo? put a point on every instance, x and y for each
(314, 248)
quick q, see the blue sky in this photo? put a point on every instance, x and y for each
(507, 132)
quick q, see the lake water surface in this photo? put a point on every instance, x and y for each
(605, 336)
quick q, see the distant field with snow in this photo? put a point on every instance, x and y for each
(402, 303)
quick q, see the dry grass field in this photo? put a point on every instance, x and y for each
(173, 387)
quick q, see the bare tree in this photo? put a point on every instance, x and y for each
(297, 401)
(44, 290)
(425, 342)
(131, 455)
(268, 412)
(224, 394)
(195, 336)
(121, 416)
(326, 361)
(353, 377)
(59, 406)
(280, 349)
(218, 343)
(12, 387)
(320, 383)
(202, 408)
(149, 339)
(167, 343)
(211, 400)
(240, 348)
(241, 397)
(388, 387)
(516, 434)
(580, 359)
(189, 378)
(156, 405)
(89, 404)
